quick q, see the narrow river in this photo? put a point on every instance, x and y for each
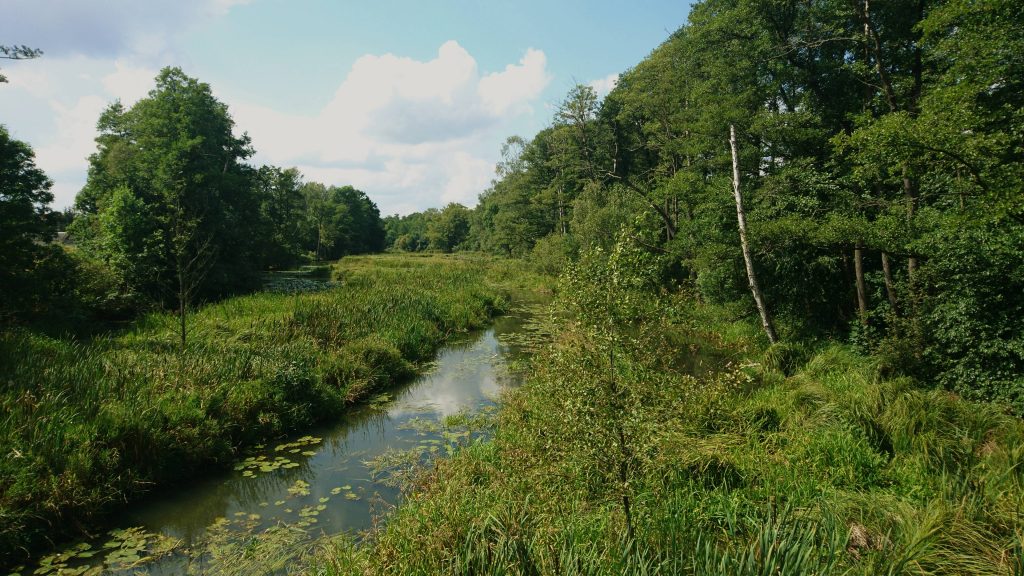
(319, 482)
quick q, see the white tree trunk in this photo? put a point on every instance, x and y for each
(741, 219)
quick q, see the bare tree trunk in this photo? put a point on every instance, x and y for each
(911, 200)
(890, 290)
(319, 236)
(561, 213)
(182, 306)
(862, 293)
(741, 219)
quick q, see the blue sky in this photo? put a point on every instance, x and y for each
(406, 100)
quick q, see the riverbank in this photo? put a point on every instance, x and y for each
(615, 458)
(93, 425)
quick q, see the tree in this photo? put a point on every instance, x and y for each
(25, 224)
(450, 229)
(168, 202)
(283, 222)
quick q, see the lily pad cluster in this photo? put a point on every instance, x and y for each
(300, 488)
(127, 549)
(261, 464)
(297, 446)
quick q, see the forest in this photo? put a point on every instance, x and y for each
(879, 157)
(774, 282)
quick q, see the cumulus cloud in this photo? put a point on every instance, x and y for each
(128, 82)
(604, 85)
(409, 131)
(517, 84)
(76, 129)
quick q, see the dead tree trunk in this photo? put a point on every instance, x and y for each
(862, 292)
(890, 290)
(741, 220)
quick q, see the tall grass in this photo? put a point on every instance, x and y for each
(86, 426)
(779, 461)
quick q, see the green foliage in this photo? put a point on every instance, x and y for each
(26, 226)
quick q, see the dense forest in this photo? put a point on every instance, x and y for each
(171, 216)
(879, 159)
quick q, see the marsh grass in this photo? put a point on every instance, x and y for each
(87, 425)
(781, 460)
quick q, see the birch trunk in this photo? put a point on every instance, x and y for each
(741, 219)
(862, 292)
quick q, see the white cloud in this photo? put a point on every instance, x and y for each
(517, 84)
(468, 176)
(410, 133)
(604, 85)
(129, 83)
(76, 129)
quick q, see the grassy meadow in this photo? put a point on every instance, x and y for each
(792, 459)
(89, 425)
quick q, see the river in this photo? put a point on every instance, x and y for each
(320, 482)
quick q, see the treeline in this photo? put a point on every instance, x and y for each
(171, 215)
(879, 151)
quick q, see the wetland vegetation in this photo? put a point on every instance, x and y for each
(94, 423)
(785, 335)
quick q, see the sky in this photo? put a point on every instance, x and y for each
(408, 100)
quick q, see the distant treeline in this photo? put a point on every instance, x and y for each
(880, 148)
(171, 214)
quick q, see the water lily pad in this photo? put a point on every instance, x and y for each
(352, 496)
(279, 502)
(300, 488)
(335, 491)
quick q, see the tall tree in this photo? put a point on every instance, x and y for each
(168, 200)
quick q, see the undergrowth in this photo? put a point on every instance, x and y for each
(774, 460)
